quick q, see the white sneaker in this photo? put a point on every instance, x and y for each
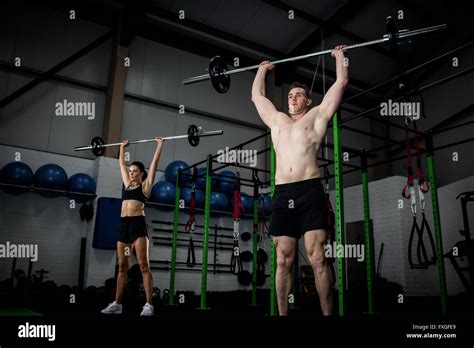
(113, 308)
(148, 310)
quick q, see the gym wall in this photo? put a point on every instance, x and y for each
(57, 229)
(156, 72)
(42, 39)
(454, 163)
(392, 226)
(50, 223)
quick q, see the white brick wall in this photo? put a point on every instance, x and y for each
(392, 227)
(48, 222)
(452, 222)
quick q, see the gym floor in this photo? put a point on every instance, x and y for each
(394, 158)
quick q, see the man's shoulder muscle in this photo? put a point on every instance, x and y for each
(281, 117)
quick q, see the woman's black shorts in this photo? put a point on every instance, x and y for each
(131, 228)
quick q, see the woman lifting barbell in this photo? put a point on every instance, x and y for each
(133, 230)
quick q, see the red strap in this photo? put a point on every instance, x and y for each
(238, 207)
(261, 213)
(421, 178)
(410, 181)
(193, 203)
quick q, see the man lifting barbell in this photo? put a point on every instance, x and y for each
(297, 206)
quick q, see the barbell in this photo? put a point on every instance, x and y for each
(98, 146)
(220, 75)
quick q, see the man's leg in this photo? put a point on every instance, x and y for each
(285, 248)
(314, 242)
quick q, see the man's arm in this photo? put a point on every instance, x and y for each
(334, 95)
(265, 108)
(148, 183)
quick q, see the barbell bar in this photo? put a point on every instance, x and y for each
(220, 76)
(98, 146)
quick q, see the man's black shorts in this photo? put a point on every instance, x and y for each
(131, 228)
(297, 207)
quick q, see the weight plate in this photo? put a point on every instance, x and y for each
(193, 137)
(96, 143)
(217, 68)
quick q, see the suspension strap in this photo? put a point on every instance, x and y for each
(409, 189)
(190, 228)
(421, 177)
(235, 261)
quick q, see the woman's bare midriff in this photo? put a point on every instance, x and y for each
(132, 208)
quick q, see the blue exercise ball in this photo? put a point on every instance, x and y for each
(247, 203)
(82, 183)
(186, 195)
(201, 181)
(16, 173)
(219, 201)
(227, 181)
(163, 192)
(187, 176)
(266, 203)
(171, 171)
(50, 177)
(230, 202)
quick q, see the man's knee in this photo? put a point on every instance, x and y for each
(284, 261)
(318, 261)
(285, 247)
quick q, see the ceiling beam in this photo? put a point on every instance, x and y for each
(328, 27)
(340, 16)
(56, 68)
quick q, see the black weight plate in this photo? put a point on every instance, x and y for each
(392, 32)
(193, 137)
(244, 278)
(245, 236)
(96, 143)
(217, 68)
(246, 256)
